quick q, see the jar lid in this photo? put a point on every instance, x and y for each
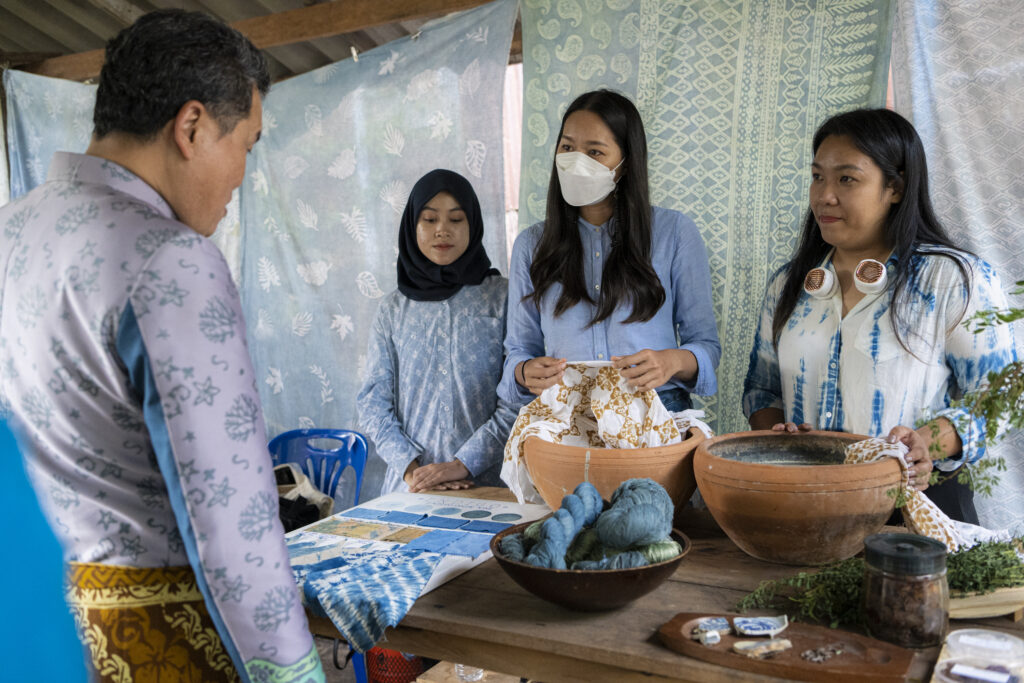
(905, 554)
(992, 646)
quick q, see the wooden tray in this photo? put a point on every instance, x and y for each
(998, 602)
(863, 658)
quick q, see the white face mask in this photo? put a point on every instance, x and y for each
(584, 180)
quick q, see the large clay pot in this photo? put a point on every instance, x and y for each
(789, 498)
(557, 469)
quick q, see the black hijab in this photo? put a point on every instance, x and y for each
(421, 279)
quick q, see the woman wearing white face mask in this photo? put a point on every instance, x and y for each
(606, 276)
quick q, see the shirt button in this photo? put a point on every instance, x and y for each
(444, 371)
(597, 254)
(828, 414)
(600, 355)
(597, 287)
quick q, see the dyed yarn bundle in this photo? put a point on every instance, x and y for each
(632, 532)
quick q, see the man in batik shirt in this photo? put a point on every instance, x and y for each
(124, 363)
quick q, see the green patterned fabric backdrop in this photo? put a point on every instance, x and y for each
(731, 92)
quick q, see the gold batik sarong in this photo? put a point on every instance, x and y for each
(146, 625)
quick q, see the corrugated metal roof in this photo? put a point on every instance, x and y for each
(32, 30)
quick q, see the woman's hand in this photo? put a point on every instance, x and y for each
(537, 374)
(792, 427)
(437, 476)
(649, 369)
(919, 463)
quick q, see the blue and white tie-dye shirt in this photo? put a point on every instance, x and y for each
(851, 374)
(431, 377)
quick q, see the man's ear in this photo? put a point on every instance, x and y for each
(185, 126)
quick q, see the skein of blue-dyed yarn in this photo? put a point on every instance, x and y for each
(640, 514)
(627, 560)
(580, 508)
(512, 547)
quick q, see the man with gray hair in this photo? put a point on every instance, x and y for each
(123, 360)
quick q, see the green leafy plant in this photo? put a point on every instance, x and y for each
(833, 594)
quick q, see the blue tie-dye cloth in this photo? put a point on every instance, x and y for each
(364, 593)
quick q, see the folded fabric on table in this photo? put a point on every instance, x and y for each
(364, 593)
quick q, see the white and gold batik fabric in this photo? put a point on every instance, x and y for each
(920, 514)
(592, 407)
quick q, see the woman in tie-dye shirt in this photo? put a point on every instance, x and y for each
(878, 362)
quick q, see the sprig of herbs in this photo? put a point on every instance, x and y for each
(833, 594)
(985, 567)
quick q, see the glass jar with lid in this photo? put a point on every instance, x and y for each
(906, 598)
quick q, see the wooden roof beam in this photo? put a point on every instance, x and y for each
(284, 28)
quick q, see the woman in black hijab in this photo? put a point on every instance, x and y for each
(435, 357)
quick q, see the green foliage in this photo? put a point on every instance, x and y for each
(833, 594)
(985, 567)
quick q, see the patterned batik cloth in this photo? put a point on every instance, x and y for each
(592, 407)
(920, 514)
(146, 624)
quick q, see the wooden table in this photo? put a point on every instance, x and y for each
(484, 619)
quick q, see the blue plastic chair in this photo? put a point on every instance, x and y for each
(313, 450)
(319, 460)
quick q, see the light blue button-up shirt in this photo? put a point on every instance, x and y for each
(850, 373)
(685, 321)
(431, 374)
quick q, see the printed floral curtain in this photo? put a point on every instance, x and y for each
(342, 147)
(958, 74)
(311, 236)
(731, 92)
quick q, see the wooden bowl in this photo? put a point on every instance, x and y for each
(588, 590)
(788, 498)
(557, 469)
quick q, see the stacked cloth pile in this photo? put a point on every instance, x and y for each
(592, 407)
(920, 514)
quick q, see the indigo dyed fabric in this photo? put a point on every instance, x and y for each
(958, 76)
(432, 374)
(321, 203)
(44, 116)
(731, 92)
(850, 373)
(363, 594)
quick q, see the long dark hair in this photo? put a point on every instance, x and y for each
(628, 273)
(893, 144)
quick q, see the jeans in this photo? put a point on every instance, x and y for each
(675, 400)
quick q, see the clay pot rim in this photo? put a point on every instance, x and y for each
(703, 449)
(690, 443)
(676, 535)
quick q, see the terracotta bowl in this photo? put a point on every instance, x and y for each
(789, 498)
(588, 590)
(556, 469)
